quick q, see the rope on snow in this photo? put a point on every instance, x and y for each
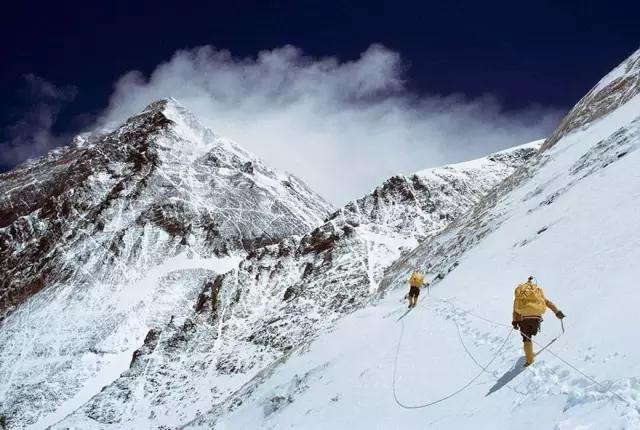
(458, 391)
(545, 347)
(484, 368)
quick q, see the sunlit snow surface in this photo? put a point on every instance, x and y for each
(570, 219)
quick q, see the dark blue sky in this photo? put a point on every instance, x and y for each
(544, 52)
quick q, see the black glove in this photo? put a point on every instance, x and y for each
(559, 314)
(515, 325)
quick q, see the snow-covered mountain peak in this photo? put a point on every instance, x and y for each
(161, 167)
(178, 132)
(186, 138)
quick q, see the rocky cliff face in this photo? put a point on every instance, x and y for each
(102, 240)
(248, 321)
(160, 170)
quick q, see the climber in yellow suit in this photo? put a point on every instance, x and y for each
(416, 281)
(529, 304)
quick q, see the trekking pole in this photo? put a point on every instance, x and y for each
(552, 340)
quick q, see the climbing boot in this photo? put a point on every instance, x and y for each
(528, 353)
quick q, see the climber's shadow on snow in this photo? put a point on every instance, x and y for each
(517, 368)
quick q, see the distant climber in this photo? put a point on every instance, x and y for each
(529, 304)
(416, 281)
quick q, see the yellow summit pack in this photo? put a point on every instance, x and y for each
(416, 279)
(529, 300)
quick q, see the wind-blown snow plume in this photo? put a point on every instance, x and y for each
(340, 126)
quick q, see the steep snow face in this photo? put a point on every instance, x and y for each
(614, 90)
(250, 320)
(570, 218)
(102, 241)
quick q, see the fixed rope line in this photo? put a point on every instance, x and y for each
(472, 357)
(458, 391)
(484, 368)
(546, 347)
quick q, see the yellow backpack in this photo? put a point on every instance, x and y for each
(529, 300)
(416, 279)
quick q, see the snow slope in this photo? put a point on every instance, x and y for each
(571, 219)
(104, 240)
(251, 319)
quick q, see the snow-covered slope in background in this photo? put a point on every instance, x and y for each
(102, 241)
(570, 218)
(251, 319)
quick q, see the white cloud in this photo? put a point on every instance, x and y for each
(343, 127)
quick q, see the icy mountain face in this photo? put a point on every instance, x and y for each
(569, 217)
(614, 90)
(161, 170)
(104, 240)
(248, 321)
(424, 203)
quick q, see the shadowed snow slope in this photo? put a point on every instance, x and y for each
(115, 235)
(569, 217)
(251, 319)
